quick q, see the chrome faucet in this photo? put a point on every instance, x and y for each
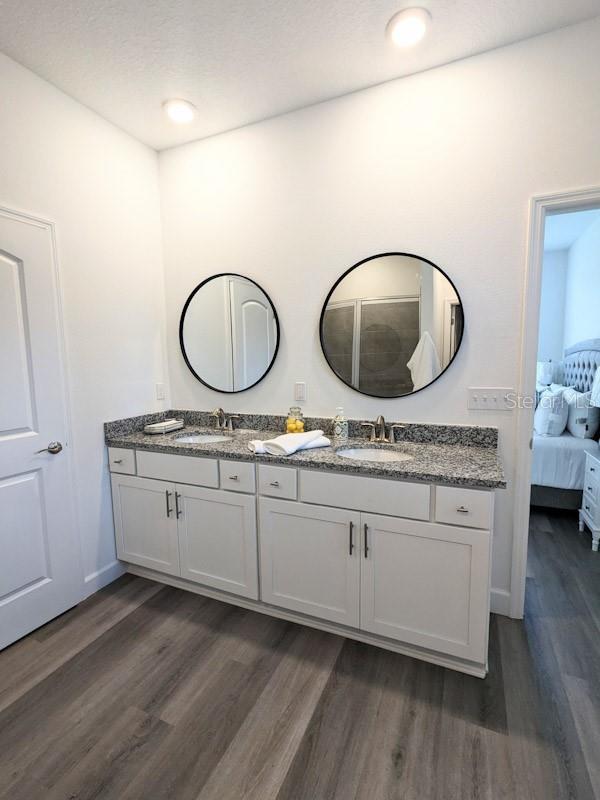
(219, 415)
(224, 421)
(378, 430)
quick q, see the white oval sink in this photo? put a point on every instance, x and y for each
(373, 454)
(201, 438)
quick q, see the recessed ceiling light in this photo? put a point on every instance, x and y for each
(180, 111)
(408, 27)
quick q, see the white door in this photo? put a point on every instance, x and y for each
(310, 559)
(40, 567)
(426, 584)
(253, 333)
(217, 539)
(146, 522)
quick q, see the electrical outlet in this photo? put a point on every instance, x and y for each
(160, 391)
(300, 391)
(491, 398)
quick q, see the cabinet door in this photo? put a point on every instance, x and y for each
(145, 522)
(305, 559)
(217, 539)
(426, 585)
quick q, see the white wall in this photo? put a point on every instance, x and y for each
(582, 306)
(552, 305)
(441, 164)
(388, 276)
(62, 162)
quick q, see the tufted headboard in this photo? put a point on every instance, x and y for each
(580, 364)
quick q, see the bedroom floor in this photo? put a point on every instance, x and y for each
(145, 691)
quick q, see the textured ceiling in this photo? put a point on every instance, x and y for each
(240, 61)
(562, 230)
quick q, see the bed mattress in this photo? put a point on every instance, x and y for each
(559, 461)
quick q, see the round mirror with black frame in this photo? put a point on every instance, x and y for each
(229, 333)
(391, 325)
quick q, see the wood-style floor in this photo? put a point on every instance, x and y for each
(149, 692)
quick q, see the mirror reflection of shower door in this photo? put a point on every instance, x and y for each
(388, 335)
(369, 343)
(339, 324)
(253, 333)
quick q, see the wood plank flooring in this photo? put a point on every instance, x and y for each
(145, 692)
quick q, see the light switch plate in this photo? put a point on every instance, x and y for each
(300, 391)
(491, 398)
(160, 391)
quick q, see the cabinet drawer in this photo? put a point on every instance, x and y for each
(121, 459)
(592, 468)
(592, 476)
(589, 507)
(590, 488)
(470, 508)
(395, 498)
(237, 476)
(178, 469)
(278, 482)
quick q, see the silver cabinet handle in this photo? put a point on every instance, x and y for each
(177, 509)
(167, 497)
(274, 483)
(350, 534)
(233, 478)
(462, 510)
(54, 448)
(366, 540)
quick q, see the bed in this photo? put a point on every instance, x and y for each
(559, 461)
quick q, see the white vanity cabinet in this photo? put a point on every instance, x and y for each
(398, 564)
(426, 584)
(145, 522)
(309, 559)
(203, 535)
(217, 539)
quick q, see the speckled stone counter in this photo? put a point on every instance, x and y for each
(450, 455)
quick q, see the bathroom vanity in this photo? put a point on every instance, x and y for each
(394, 553)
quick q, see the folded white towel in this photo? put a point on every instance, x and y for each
(289, 443)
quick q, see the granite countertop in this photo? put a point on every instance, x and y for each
(449, 464)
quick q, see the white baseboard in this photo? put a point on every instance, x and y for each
(500, 602)
(102, 577)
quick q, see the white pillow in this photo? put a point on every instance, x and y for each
(558, 387)
(550, 418)
(583, 419)
(596, 389)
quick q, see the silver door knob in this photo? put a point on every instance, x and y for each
(53, 447)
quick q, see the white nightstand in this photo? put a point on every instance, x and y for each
(589, 513)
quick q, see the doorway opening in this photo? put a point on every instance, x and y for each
(557, 510)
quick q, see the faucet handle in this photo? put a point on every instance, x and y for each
(393, 427)
(230, 419)
(372, 426)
